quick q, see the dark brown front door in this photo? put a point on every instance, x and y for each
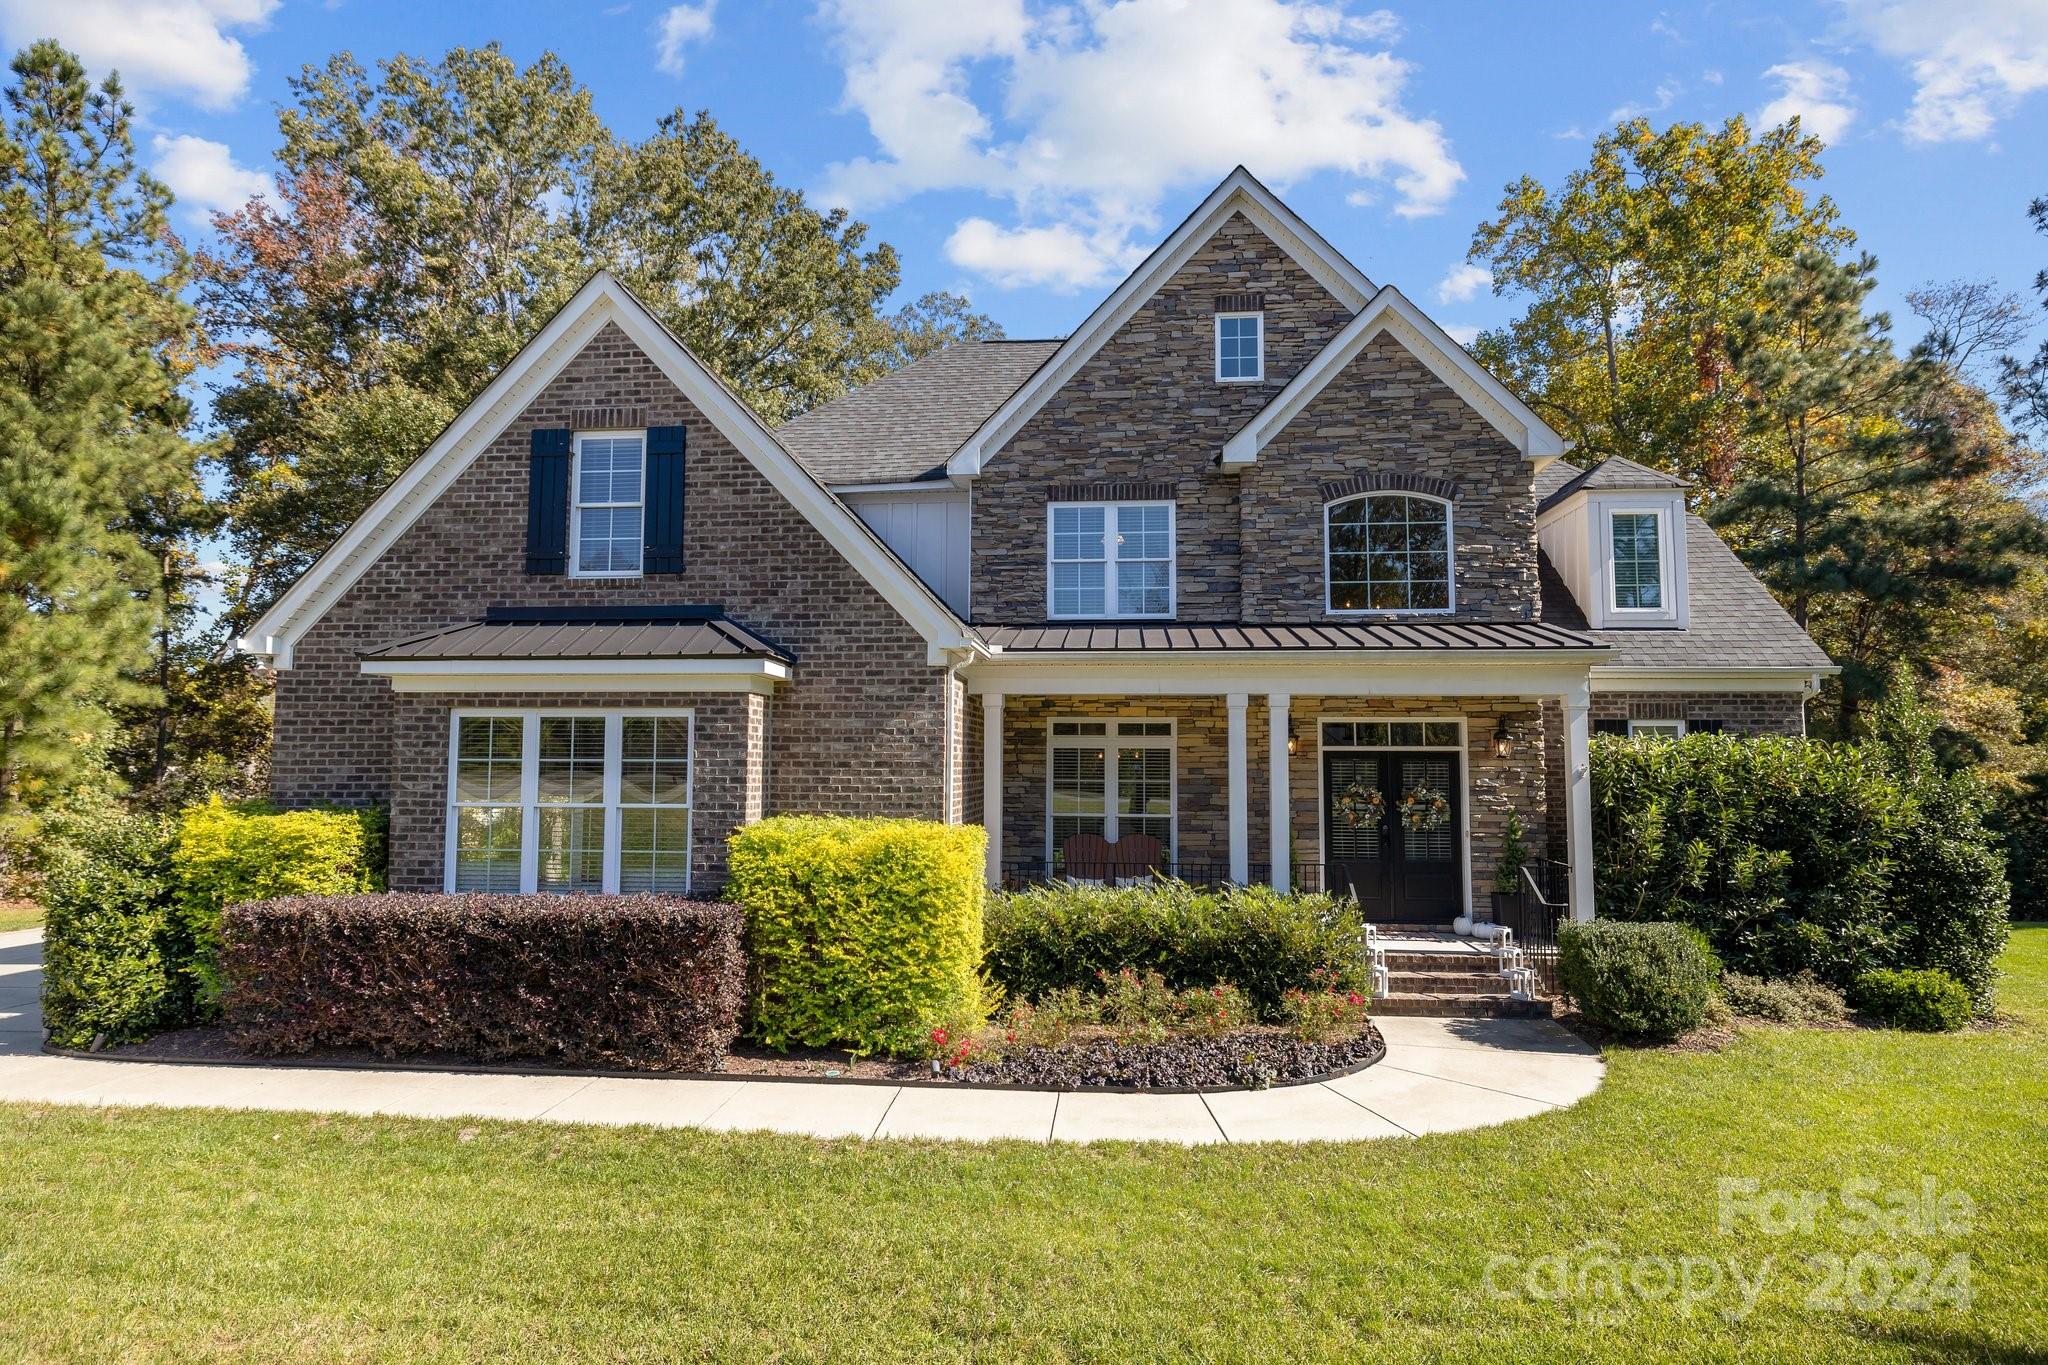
(1399, 873)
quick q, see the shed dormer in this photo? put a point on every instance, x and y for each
(1616, 535)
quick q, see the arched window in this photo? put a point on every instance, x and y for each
(1386, 552)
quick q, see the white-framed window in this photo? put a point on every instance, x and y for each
(1240, 347)
(569, 800)
(1638, 548)
(1659, 729)
(1110, 559)
(1387, 552)
(606, 524)
(1110, 777)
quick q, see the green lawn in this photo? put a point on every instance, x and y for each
(19, 915)
(148, 1234)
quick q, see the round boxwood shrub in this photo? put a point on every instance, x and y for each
(1927, 1000)
(1640, 980)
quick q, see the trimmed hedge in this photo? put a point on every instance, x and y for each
(226, 854)
(1639, 980)
(639, 982)
(1929, 1001)
(113, 953)
(1799, 856)
(863, 933)
(1257, 940)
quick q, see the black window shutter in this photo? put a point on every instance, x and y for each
(547, 502)
(1611, 727)
(664, 500)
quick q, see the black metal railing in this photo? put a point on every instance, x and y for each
(1021, 873)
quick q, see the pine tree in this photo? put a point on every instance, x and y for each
(93, 345)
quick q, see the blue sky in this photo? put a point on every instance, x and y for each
(1026, 154)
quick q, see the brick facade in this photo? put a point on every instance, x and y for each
(859, 730)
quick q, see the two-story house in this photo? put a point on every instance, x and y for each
(1257, 576)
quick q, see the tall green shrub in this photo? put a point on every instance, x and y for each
(112, 949)
(229, 854)
(865, 933)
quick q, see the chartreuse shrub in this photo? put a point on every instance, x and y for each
(1927, 1001)
(862, 933)
(227, 854)
(1796, 856)
(1639, 980)
(1264, 943)
(113, 952)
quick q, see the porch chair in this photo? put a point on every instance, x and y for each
(1092, 858)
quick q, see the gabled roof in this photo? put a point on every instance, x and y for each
(601, 301)
(1240, 192)
(1560, 481)
(1390, 312)
(905, 425)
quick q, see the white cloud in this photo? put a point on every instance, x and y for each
(1461, 333)
(1972, 60)
(174, 47)
(1059, 257)
(1817, 92)
(1085, 117)
(204, 175)
(679, 27)
(1668, 91)
(1462, 283)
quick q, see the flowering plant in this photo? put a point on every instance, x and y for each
(1424, 808)
(1359, 804)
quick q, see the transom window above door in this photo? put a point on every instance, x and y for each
(606, 527)
(1108, 560)
(1388, 552)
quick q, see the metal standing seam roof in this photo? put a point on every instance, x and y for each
(1326, 637)
(588, 638)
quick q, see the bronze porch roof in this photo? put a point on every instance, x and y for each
(597, 633)
(1308, 637)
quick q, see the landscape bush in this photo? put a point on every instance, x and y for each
(1640, 980)
(634, 982)
(862, 933)
(113, 952)
(1262, 942)
(1928, 1001)
(1798, 856)
(1802, 999)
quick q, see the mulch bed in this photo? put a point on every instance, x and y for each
(1252, 1059)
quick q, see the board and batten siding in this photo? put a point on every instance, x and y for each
(927, 530)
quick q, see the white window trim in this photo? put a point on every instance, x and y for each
(576, 504)
(529, 788)
(1109, 574)
(1109, 742)
(1672, 727)
(1258, 376)
(1463, 748)
(1666, 565)
(1450, 560)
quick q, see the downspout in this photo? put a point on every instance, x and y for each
(949, 779)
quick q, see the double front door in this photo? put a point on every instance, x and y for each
(1392, 822)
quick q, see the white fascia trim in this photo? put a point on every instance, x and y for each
(1215, 674)
(1621, 678)
(1240, 192)
(1391, 312)
(906, 486)
(601, 300)
(580, 675)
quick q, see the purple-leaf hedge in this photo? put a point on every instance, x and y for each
(634, 982)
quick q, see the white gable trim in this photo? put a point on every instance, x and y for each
(1390, 312)
(1241, 193)
(602, 300)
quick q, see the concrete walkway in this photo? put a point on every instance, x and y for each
(1439, 1076)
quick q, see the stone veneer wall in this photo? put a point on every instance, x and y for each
(1740, 713)
(858, 731)
(1386, 414)
(1147, 407)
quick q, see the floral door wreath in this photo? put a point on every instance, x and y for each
(1424, 808)
(1359, 805)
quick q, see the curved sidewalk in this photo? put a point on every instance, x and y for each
(1439, 1075)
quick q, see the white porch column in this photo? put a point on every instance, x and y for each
(1578, 811)
(1279, 795)
(992, 781)
(1239, 776)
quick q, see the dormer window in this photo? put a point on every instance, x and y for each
(1240, 347)
(1636, 537)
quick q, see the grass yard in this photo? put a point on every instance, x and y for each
(19, 915)
(150, 1234)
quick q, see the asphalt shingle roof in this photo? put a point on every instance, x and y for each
(625, 633)
(1560, 480)
(906, 424)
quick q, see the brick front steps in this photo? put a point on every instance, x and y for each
(1451, 984)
